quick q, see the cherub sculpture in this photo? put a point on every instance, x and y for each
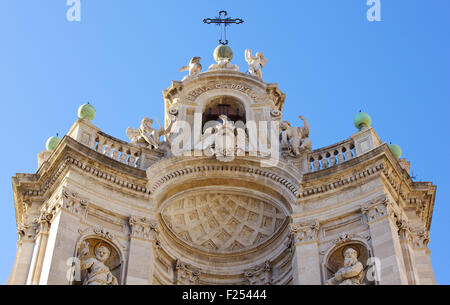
(147, 134)
(352, 273)
(296, 139)
(194, 67)
(255, 63)
(98, 272)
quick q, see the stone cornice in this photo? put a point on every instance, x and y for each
(379, 161)
(71, 154)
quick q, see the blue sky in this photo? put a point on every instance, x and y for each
(324, 54)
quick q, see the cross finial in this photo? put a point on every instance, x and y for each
(223, 21)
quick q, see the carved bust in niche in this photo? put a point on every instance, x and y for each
(99, 262)
(346, 265)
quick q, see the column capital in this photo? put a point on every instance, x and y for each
(379, 209)
(144, 228)
(305, 231)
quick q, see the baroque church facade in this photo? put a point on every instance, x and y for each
(226, 192)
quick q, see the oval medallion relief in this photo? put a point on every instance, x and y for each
(223, 222)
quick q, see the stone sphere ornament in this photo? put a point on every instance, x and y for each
(87, 112)
(362, 120)
(396, 150)
(52, 142)
(223, 52)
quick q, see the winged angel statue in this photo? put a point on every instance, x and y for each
(255, 63)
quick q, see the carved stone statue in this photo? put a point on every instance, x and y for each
(147, 134)
(194, 67)
(352, 273)
(255, 63)
(296, 139)
(98, 272)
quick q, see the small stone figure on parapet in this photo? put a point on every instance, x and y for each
(255, 63)
(194, 67)
(296, 139)
(147, 134)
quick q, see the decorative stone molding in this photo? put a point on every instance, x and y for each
(185, 274)
(259, 275)
(144, 228)
(100, 232)
(346, 237)
(305, 232)
(88, 169)
(228, 168)
(233, 85)
(340, 183)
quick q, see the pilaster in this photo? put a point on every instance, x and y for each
(142, 241)
(306, 261)
(385, 241)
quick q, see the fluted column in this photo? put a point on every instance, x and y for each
(306, 262)
(142, 240)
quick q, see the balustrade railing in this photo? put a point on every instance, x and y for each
(331, 155)
(117, 149)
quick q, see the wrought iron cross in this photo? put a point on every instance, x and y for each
(223, 21)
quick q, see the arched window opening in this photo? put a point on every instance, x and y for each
(224, 105)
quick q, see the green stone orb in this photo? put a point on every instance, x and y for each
(52, 142)
(87, 112)
(396, 150)
(362, 120)
(223, 52)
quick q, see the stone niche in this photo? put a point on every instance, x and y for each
(222, 222)
(335, 260)
(114, 262)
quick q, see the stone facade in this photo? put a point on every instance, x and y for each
(163, 212)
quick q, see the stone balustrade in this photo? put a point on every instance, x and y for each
(117, 149)
(329, 156)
